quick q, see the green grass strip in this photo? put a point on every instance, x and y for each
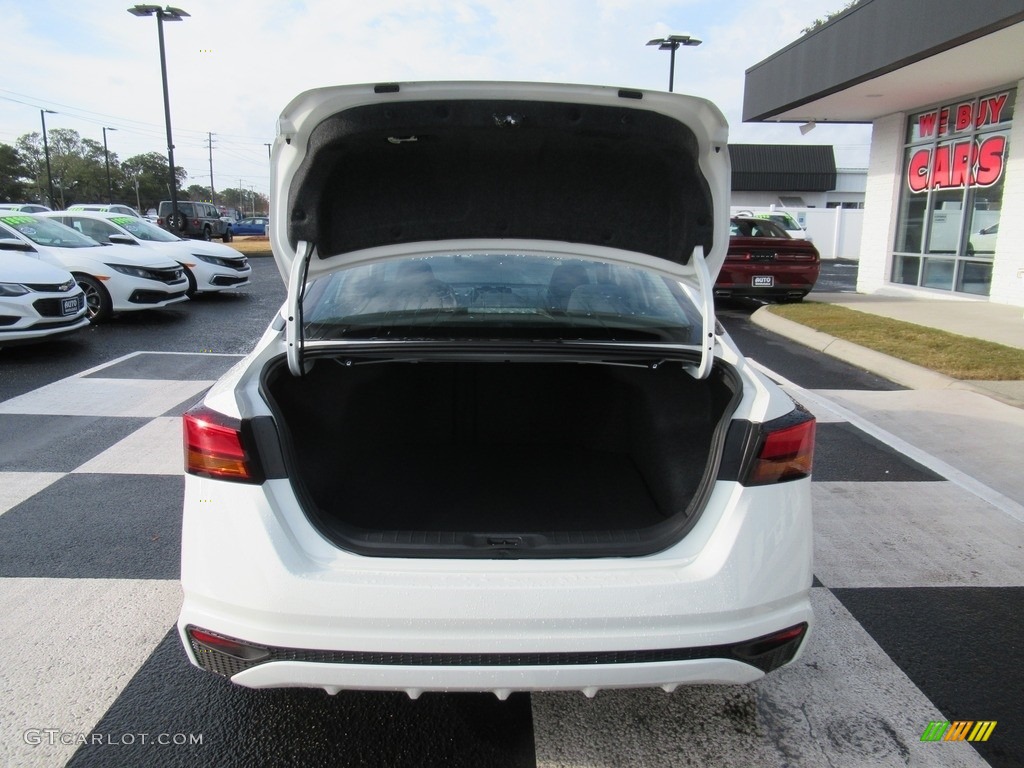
(959, 357)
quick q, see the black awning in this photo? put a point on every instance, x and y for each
(782, 168)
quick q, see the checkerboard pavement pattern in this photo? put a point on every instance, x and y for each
(918, 597)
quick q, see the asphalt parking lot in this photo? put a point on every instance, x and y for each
(918, 593)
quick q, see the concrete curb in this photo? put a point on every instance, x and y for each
(899, 371)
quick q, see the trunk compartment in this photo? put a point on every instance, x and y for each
(492, 459)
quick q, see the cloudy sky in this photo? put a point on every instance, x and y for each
(234, 64)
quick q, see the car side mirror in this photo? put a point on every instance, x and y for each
(11, 244)
(123, 239)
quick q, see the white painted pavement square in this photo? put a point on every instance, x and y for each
(154, 449)
(933, 534)
(15, 487)
(70, 646)
(976, 434)
(844, 704)
(77, 396)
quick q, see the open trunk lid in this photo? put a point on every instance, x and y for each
(362, 172)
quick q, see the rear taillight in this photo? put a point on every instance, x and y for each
(785, 450)
(214, 447)
(160, 221)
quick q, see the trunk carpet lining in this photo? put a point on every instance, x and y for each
(498, 489)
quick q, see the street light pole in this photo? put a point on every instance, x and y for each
(106, 159)
(46, 152)
(168, 14)
(671, 43)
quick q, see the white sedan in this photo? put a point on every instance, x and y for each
(495, 439)
(115, 278)
(37, 301)
(208, 266)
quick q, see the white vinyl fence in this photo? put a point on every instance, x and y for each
(835, 231)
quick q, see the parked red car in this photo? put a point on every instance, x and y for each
(764, 262)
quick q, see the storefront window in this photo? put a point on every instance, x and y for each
(982, 221)
(944, 222)
(907, 270)
(938, 273)
(910, 231)
(975, 277)
(951, 200)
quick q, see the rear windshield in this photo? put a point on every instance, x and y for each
(183, 205)
(756, 228)
(500, 296)
(784, 220)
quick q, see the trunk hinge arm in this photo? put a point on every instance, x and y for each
(293, 329)
(707, 310)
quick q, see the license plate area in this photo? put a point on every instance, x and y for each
(763, 281)
(71, 305)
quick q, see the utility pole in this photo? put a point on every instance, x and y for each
(213, 191)
(106, 160)
(46, 151)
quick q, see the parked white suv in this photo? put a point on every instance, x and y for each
(495, 439)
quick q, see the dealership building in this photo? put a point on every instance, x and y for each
(939, 81)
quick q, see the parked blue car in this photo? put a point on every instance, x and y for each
(250, 226)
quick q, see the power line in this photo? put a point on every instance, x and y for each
(124, 123)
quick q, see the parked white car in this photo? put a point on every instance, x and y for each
(104, 208)
(115, 278)
(495, 439)
(37, 301)
(23, 207)
(208, 266)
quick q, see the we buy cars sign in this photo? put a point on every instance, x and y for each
(972, 162)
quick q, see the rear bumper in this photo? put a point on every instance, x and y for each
(500, 680)
(337, 620)
(787, 279)
(762, 293)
